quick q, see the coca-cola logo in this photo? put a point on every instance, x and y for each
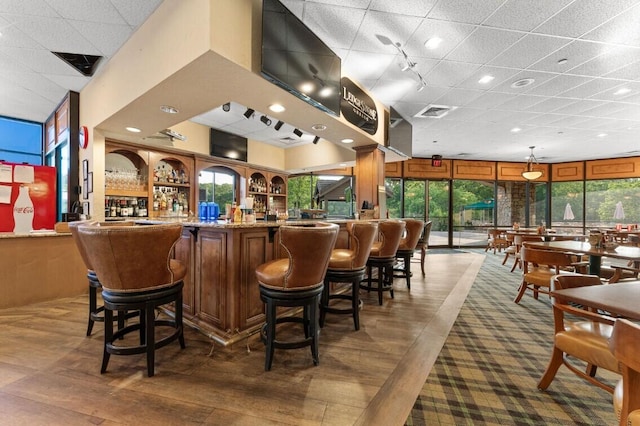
(23, 210)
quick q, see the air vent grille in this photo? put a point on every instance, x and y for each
(435, 111)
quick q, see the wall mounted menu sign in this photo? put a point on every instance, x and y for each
(357, 107)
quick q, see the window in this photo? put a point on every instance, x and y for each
(20, 141)
(217, 184)
(611, 202)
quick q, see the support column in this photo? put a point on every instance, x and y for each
(369, 172)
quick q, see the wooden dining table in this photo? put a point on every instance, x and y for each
(595, 254)
(621, 299)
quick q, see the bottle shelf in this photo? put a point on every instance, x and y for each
(126, 193)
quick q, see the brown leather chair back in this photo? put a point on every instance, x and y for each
(361, 238)
(73, 228)
(133, 258)
(390, 235)
(423, 241)
(413, 229)
(308, 250)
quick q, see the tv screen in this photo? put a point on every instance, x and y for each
(400, 137)
(227, 145)
(294, 58)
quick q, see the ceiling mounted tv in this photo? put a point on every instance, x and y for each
(294, 58)
(227, 145)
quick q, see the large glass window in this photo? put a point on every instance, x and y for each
(473, 211)
(438, 204)
(611, 202)
(394, 197)
(20, 141)
(538, 205)
(415, 199)
(567, 213)
(217, 184)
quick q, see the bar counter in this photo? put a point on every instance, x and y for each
(221, 293)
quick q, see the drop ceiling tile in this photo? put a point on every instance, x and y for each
(407, 7)
(490, 100)
(612, 58)
(542, 120)
(451, 33)
(499, 75)
(569, 121)
(336, 26)
(366, 66)
(71, 82)
(135, 12)
(550, 105)
(623, 29)
(390, 91)
(448, 73)
(358, 4)
(579, 107)
(464, 114)
(510, 15)
(576, 53)
(558, 84)
(107, 38)
(580, 17)
(628, 72)
(538, 77)
(87, 10)
(55, 34)
(425, 97)
(40, 84)
(466, 11)
(521, 102)
(458, 97)
(13, 37)
(397, 28)
(605, 110)
(483, 45)
(529, 49)
(39, 60)
(22, 7)
(591, 88)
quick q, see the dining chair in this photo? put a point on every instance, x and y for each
(581, 336)
(496, 240)
(518, 240)
(538, 267)
(625, 346)
(423, 244)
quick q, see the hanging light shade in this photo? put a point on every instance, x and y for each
(529, 173)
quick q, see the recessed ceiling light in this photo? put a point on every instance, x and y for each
(319, 127)
(522, 83)
(602, 135)
(276, 108)
(347, 140)
(622, 91)
(433, 43)
(515, 130)
(133, 129)
(563, 61)
(486, 79)
(168, 109)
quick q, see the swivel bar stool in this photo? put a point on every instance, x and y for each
(348, 266)
(383, 257)
(407, 247)
(95, 311)
(134, 266)
(296, 281)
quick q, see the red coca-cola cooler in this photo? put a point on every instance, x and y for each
(27, 198)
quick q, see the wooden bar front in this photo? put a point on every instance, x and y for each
(221, 292)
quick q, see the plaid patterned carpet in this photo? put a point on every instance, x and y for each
(488, 370)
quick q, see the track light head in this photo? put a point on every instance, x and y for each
(226, 107)
(316, 140)
(248, 113)
(266, 120)
(278, 125)
(297, 132)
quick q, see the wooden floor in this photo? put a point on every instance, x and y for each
(50, 372)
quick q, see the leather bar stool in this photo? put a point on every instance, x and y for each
(383, 257)
(136, 272)
(348, 266)
(408, 245)
(95, 311)
(296, 280)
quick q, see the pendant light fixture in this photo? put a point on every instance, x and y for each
(529, 173)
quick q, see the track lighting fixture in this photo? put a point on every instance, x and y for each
(297, 132)
(406, 63)
(248, 113)
(226, 107)
(316, 140)
(266, 120)
(278, 125)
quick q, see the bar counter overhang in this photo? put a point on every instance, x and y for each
(221, 293)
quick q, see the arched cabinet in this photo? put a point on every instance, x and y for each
(126, 183)
(171, 176)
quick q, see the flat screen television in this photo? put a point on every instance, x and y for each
(294, 58)
(400, 137)
(227, 145)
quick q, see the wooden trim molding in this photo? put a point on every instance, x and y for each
(513, 171)
(393, 170)
(564, 172)
(617, 168)
(475, 170)
(422, 168)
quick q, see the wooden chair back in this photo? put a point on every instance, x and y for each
(625, 346)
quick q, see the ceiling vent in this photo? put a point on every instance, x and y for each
(171, 134)
(435, 111)
(84, 64)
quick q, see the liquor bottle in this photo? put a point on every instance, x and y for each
(23, 212)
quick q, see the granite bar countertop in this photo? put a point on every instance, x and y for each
(194, 222)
